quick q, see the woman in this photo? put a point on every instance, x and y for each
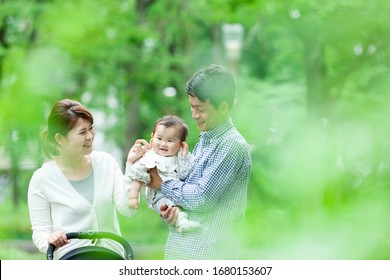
(78, 189)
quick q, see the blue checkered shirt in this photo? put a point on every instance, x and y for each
(214, 194)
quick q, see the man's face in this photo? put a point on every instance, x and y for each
(206, 116)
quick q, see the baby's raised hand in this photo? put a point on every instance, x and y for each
(138, 150)
(183, 149)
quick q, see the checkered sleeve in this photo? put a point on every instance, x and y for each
(219, 172)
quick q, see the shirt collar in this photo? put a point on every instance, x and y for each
(217, 131)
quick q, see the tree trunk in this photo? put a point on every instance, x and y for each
(15, 172)
(316, 86)
(132, 121)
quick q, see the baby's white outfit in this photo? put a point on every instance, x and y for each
(173, 167)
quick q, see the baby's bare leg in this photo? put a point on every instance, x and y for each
(134, 194)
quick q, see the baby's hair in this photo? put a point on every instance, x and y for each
(171, 120)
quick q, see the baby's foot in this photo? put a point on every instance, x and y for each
(185, 225)
(133, 204)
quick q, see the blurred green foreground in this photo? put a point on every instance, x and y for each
(312, 101)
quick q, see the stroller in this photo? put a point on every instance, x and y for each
(93, 252)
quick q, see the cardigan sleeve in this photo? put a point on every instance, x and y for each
(121, 187)
(39, 209)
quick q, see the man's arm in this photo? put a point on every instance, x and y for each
(169, 214)
(222, 171)
(155, 179)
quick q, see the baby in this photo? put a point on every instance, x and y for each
(169, 153)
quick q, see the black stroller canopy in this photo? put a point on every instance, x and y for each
(94, 252)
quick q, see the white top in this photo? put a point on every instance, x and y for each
(173, 167)
(55, 205)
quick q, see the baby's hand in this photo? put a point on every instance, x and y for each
(137, 151)
(183, 149)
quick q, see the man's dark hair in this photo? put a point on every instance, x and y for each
(212, 83)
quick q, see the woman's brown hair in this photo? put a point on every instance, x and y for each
(63, 116)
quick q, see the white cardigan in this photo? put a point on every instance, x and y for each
(55, 205)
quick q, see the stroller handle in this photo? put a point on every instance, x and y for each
(95, 235)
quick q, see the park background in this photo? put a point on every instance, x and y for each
(313, 86)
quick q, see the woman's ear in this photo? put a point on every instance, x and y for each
(59, 139)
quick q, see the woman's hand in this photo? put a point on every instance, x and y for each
(138, 150)
(58, 239)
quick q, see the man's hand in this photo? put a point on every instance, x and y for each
(155, 179)
(138, 150)
(169, 214)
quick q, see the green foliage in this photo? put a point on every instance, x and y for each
(318, 189)
(312, 102)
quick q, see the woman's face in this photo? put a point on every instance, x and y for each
(79, 140)
(166, 141)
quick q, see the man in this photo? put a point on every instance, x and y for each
(214, 193)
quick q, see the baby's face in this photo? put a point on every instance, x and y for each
(166, 141)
